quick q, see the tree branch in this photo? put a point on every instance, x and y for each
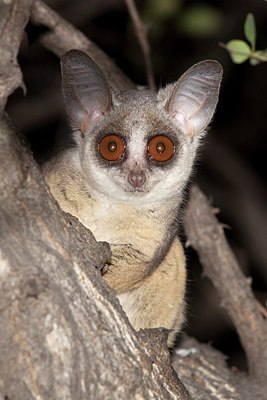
(241, 180)
(220, 265)
(15, 14)
(62, 37)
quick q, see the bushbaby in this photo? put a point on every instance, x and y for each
(125, 178)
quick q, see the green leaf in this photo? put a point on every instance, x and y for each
(250, 29)
(253, 61)
(239, 51)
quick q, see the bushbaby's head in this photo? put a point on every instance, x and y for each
(138, 146)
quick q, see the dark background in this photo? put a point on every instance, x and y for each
(232, 166)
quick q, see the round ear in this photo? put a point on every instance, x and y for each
(85, 90)
(194, 97)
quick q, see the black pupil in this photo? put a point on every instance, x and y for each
(112, 146)
(160, 147)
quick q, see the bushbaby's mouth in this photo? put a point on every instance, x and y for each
(140, 190)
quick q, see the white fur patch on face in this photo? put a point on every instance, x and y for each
(136, 149)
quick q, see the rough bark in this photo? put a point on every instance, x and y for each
(206, 236)
(205, 373)
(63, 333)
(14, 17)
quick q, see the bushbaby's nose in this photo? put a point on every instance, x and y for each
(136, 178)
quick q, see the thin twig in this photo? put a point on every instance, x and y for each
(141, 34)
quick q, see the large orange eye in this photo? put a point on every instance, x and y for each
(161, 148)
(112, 147)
